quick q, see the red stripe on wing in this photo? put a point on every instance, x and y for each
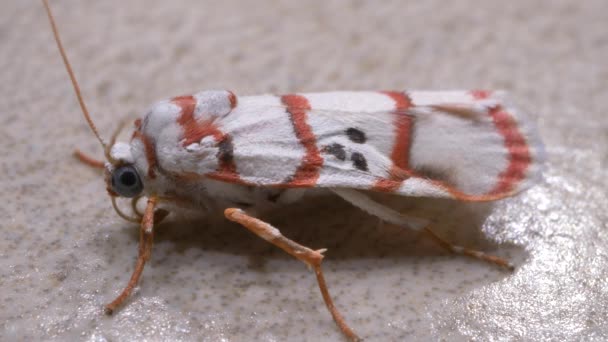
(515, 143)
(518, 150)
(518, 155)
(480, 94)
(308, 172)
(519, 161)
(401, 148)
(195, 130)
(150, 151)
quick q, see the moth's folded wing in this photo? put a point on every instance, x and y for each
(477, 150)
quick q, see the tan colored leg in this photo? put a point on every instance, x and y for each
(310, 257)
(85, 159)
(470, 252)
(146, 235)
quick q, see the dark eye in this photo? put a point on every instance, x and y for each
(126, 181)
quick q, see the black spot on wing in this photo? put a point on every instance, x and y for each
(356, 135)
(336, 150)
(359, 161)
(226, 150)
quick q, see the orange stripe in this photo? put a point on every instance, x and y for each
(518, 155)
(308, 172)
(150, 151)
(519, 160)
(515, 143)
(517, 147)
(401, 148)
(480, 94)
(187, 104)
(194, 131)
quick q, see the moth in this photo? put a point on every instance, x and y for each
(216, 151)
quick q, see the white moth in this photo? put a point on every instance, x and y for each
(216, 151)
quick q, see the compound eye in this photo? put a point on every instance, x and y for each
(126, 181)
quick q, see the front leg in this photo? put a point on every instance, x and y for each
(312, 258)
(146, 236)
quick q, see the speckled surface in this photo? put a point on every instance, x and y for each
(64, 253)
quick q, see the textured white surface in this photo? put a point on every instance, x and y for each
(63, 252)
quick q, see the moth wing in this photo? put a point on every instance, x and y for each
(473, 146)
(477, 150)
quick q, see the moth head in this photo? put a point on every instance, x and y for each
(122, 177)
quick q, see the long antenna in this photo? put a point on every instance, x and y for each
(72, 77)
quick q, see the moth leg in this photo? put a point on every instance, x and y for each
(310, 257)
(86, 159)
(387, 214)
(146, 235)
(470, 252)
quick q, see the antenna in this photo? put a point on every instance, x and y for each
(72, 77)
